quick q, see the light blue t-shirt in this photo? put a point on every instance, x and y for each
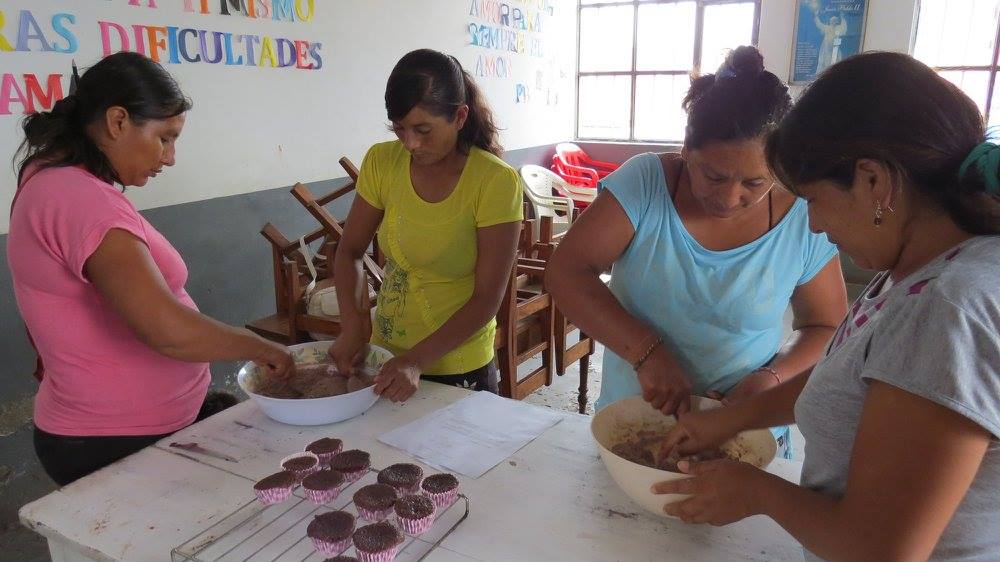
(720, 312)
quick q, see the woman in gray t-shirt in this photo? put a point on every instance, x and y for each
(902, 416)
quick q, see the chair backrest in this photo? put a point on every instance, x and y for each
(538, 187)
(542, 181)
(570, 153)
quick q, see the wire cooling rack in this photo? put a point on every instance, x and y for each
(258, 533)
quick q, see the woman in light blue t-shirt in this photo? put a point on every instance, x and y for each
(707, 254)
(902, 415)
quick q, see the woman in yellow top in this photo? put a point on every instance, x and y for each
(447, 211)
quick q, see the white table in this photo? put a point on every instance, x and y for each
(553, 500)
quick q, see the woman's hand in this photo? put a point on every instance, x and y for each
(721, 492)
(663, 383)
(699, 431)
(274, 357)
(398, 379)
(349, 349)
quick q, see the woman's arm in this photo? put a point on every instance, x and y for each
(496, 250)
(707, 429)
(595, 242)
(124, 273)
(818, 306)
(912, 464)
(352, 286)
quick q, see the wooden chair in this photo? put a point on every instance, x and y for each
(565, 352)
(291, 323)
(524, 330)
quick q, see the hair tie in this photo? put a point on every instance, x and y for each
(66, 106)
(725, 73)
(986, 157)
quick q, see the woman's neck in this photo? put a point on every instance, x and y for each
(453, 163)
(925, 237)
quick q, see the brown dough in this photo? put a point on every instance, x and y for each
(643, 449)
(359, 381)
(314, 380)
(275, 388)
(326, 386)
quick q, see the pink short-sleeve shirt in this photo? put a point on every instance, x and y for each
(99, 378)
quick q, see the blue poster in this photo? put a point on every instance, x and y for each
(826, 32)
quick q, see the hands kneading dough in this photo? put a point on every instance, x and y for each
(315, 380)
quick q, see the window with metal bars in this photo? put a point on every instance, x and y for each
(960, 39)
(635, 58)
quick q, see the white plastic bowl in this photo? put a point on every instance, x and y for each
(313, 411)
(620, 420)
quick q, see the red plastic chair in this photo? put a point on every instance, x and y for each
(573, 164)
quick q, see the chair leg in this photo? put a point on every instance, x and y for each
(584, 371)
(559, 343)
(508, 371)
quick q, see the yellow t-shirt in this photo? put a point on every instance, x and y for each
(431, 249)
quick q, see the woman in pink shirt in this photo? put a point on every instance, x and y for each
(124, 349)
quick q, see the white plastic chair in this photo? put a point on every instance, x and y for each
(538, 186)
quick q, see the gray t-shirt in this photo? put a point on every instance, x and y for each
(935, 334)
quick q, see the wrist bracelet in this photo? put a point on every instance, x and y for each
(647, 354)
(772, 370)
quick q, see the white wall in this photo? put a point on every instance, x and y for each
(889, 28)
(256, 128)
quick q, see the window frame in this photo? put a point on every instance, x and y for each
(633, 73)
(993, 68)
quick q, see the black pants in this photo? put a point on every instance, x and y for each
(66, 458)
(483, 378)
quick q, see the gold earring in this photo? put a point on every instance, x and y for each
(878, 214)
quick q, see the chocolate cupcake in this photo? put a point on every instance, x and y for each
(375, 501)
(377, 542)
(275, 488)
(442, 489)
(323, 486)
(341, 559)
(352, 464)
(415, 514)
(331, 532)
(301, 464)
(325, 448)
(404, 477)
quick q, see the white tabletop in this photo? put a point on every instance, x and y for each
(552, 500)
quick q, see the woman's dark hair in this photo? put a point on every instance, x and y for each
(891, 108)
(438, 83)
(740, 101)
(129, 80)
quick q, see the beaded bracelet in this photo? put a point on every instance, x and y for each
(772, 370)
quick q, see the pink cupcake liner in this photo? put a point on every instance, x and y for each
(352, 477)
(443, 500)
(321, 497)
(374, 515)
(272, 496)
(382, 556)
(331, 548)
(415, 527)
(300, 474)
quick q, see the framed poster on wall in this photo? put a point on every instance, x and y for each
(826, 32)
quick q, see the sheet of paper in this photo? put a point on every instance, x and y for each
(472, 435)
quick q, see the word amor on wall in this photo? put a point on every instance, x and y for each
(513, 32)
(26, 31)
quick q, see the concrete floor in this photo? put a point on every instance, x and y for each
(22, 479)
